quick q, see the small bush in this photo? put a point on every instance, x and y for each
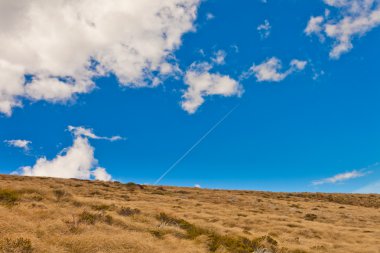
(19, 245)
(127, 211)
(89, 218)
(242, 244)
(101, 207)
(310, 216)
(133, 186)
(59, 194)
(9, 197)
(157, 233)
(192, 230)
(108, 219)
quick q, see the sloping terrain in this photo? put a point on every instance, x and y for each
(69, 215)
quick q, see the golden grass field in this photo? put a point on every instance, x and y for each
(69, 215)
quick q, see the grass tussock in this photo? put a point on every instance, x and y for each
(127, 211)
(19, 245)
(8, 197)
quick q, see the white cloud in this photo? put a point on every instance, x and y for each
(314, 25)
(210, 16)
(197, 186)
(76, 161)
(219, 57)
(60, 46)
(23, 144)
(371, 188)
(356, 18)
(264, 29)
(340, 177)
(73, 162)
(101, 174)
(88, 132)
(202, 83)
(269, 70)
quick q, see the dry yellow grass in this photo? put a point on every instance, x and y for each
(58, 215)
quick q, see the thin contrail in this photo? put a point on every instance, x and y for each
(195, 145)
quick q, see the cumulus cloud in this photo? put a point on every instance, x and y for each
(197, 186)
(264, 29)
(76, 161)
(270, 70)
(101, 174)
(23, 144)
(355, 19)
(89, 133)
(340, 177)
(52, 50)
(201, 82)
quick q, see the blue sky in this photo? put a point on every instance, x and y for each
(307, 100)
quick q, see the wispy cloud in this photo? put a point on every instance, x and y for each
(341, 177)
(264, 29)
(89, 133)
(370, 188)
(23, 144)
(270, 70)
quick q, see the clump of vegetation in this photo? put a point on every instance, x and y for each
(19, 245)
(89, 218)
(310, 216)
(59, 194)
(9, 197)
(157, 233)
(160, 188)
(236, 244)
(102, 207)
(133, 186)
(241, 244)
(191, 230)
(127, 211)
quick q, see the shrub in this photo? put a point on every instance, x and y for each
(101, 207)
(133, 186)
(241, 244)
(59, 194)
(19, 245)
(8, 197)
(89, 218)
(108, 219)
(310, 216)
(157, 233)
(192, 230)
(127, 211)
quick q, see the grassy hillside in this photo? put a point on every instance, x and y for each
(69, 215)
